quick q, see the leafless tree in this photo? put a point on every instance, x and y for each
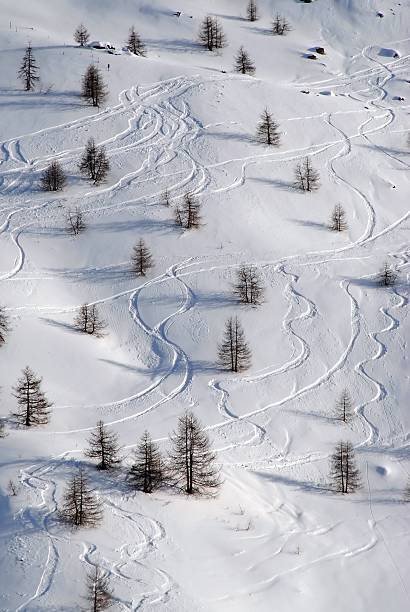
(243, 62)
(268, 130)
(94, 163)
(252, 10)
(134, 43)
(75, 222)
(99, 593)
(147, 471)
(406, 495)
(12, 488)
(387, 276)
(81, 35)
(338, 219)
(4, 325)
(344, 407)
(141, 258)
(280, 25)
(53, 177)
(3, 433)
(28, 71)
(234, 353)
(33, 406)
(248, 286)
(88, 321)
(103, 445)
(344, 475)
(192, 461)
(166, 198)
(306, 177)
(80, 505)
(93, 88)
(211, 34)
(188, 215)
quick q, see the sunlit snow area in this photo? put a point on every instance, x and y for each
(277, 536)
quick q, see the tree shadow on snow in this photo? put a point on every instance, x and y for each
(145, 226)
(310, 487)
(311, 224)
(183, 45)
(231, 136)
(61, 325)
(284, 185)
(198, 367)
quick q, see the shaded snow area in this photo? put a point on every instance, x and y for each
(276, 537)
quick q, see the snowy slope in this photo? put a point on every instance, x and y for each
(275, 538)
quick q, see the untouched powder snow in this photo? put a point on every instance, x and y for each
(276, 538)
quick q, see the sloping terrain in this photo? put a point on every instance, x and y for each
(181, 119)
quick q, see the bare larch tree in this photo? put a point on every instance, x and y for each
(166, 198)
(280, 26)
(33, 406)
(53, 177)
(88, 321)
(248, 286)
(103, 445)
(81, 35)
(243, 62)
(211, 34)
(80, 506)
(344, 407)
(94, 163)
(4, 325)
(387, 276)
(141, 258)
(306, 177)
(93, 88)
(75, 222)
(188, 214)
(338, 219)
(406, 493)
(134, 43)
(147, 471)
(192, 461)
(234, 353)
(28, 71)
(3, 433)
(267, 131)
(99, 592)
(252, 10)
(344, 475)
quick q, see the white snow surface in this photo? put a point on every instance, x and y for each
(275, 538)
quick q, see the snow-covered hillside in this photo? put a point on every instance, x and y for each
(181, 119)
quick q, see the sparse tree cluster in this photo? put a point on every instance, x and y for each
(81, 35)
(248, 287)
(338, 219)
(93, 88)
(211, 34)
(88, 321)
(80, 506)
(28, 71)
(268, 130)
(94, 162)
(33, 405)
(344, 474)
(53, 177)
(134, 43)
(141, 258)
(280, 25)
(243, 62)
(4, 325)
(234, 353)
(188, 215)
(306, 176)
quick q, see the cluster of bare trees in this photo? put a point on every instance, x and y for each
(81, 35)
(344, 474)
(243, 62)
(188, 214)
(211, 34)
(93, 88)
(280, 25)
(252, 10)
(94, 165)
(267, 131)
(307, 178)
(88, 321)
